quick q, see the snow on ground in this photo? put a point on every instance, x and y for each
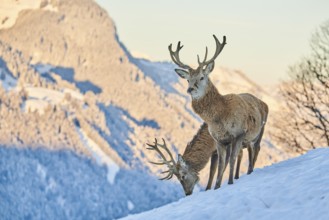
(10, 9)
(99, 156)
(43, 184)
(45, 94)
(43, 68)
(294, 189)
(32, 105)
(160, 72)
(39, 98)
(74, 94)
(130, 205)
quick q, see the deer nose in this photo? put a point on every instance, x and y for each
(188, 193)
(189, 90)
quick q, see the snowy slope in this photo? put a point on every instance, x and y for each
(100, 156)
(43, 184)
(162, 73)
(294, 189)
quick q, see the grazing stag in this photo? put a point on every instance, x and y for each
(196, 155)
(234, 120)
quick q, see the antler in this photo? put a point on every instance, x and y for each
(219, 48)
(175, 56)
(171, 163)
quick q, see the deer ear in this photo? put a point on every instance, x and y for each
(182, 73)
(209, 68)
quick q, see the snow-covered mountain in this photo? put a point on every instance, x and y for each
(43, 184)
(67, 83)
(293, 189)
(75, 63)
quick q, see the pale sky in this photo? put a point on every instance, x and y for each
(263, 37)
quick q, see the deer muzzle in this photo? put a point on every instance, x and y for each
(189, 90)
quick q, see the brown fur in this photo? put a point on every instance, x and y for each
(196, 155)
(232, 119)
(202, 148)
(198, 152)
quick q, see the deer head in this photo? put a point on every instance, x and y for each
(196, 78)
(181, 169)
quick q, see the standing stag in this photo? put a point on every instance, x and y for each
(196, 155)
(234, 120)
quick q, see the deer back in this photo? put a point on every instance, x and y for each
(231, 115)
(200, 149)
(257, 112)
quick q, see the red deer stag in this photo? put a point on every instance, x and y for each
(234, 120)
(196, 155)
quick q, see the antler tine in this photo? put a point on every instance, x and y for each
(170, 163)
(168, 177)
(155, 147)
(164, 146)
(157, 163)
(179, 46)
(219, 48)
(205, 57)
(175, 56)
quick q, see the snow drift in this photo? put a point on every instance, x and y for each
(294, 189)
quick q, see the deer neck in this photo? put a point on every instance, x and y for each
(208, 103)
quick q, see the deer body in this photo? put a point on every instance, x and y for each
(234, 120)
(232, 115)
(199, 150)
(196, 155)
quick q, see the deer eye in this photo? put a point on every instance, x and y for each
(183, 177)
(202, 78)
(188, 80)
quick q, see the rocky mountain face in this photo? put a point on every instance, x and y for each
(68, 82)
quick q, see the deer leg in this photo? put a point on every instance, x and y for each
(228, 154)
(237, 172)
(221, 150)
(251, 159)
(256, 151)
(213, 167)
(236, 146)
(257, 146)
